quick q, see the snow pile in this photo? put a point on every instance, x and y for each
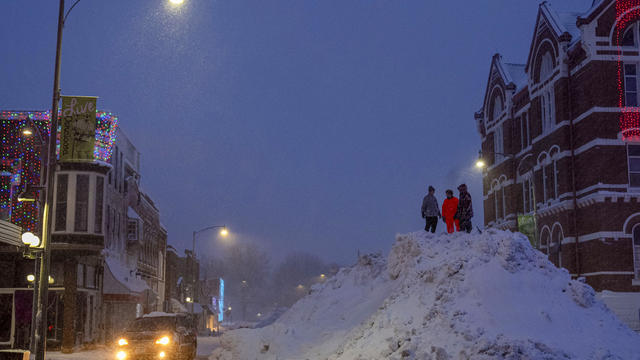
(459, 296)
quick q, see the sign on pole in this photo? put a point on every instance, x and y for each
(78, 135)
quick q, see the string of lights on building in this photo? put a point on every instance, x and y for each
(626, 11)
(21, 158)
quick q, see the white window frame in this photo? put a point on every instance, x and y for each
(504, 203)
(547, 104)
(636, 77)
(634, 29)
(525, 134)
(636, 252)
(555, 178)
(498, 143)
(544, 183)
(495, 201)
(629, 172)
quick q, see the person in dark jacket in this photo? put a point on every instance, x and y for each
(465, 209)
(430, 211)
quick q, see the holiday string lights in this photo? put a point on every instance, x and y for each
(627, 12)
(20, 158)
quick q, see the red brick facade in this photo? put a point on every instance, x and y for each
(578, 162)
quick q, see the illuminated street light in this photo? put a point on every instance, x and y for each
(27, 132)
(31, 278)
(30, 239)
(188, 299)
(229, 308)
(480, 164)
(322, 276)
(176, 2)
(224, 232)
(51, 280)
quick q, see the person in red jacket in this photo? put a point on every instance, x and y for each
(449, 208)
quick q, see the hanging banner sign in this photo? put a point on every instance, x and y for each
(78, 135)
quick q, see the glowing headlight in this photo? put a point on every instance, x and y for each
(123, 342)
(163, 340)
(162, 354)
(121, 355)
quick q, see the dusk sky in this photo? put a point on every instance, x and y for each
(302, 125)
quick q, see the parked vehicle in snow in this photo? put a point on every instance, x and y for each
(158, 335)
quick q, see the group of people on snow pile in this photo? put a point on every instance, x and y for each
(455, 211)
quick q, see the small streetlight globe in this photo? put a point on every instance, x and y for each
(224, 232)
(480, 164)
(31, 278)
(176, 2)
(30, 239)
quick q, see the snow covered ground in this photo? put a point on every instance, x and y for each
(459, 296)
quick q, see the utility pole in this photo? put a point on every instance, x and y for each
(43, 282)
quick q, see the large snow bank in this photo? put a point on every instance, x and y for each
(459, 296)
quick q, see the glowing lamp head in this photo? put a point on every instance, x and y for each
(480, 164)
(121, 355)
(51, 280)
(229, 308)
(30, 239)
(165, 340)
(176, 2)
(188, 299)
(31, 278)
(323, 276)
(27, 132)
(162, 355)
(123, 342)
(224, 232)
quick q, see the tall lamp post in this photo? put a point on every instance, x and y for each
(223, 232)
(482, 164)
(43, 288)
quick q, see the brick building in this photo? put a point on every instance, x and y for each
(558, 149)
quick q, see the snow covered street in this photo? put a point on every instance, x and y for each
(206, 345)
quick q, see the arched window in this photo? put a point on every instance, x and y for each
(546, 66)
(545, 240)
(557, 237)
(636, 250)
(498, 107)
(630, 36)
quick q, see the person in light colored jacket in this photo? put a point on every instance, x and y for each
(430, 211)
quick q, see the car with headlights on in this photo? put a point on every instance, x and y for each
(158, 335)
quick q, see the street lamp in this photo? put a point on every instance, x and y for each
(223, 232)
(176, 2)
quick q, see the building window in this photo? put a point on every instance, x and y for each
(547, 102)
(633, 152)
(636, 250)
(555, 178)
(525, 134)
(546, 66)
(61, 202)
(132, 230)
(498, 143)
(527, 196)
(630, 85)
(498, 106)
(99, 204)
(82, 203)
(629, 37)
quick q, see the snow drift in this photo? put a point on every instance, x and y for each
(459, 296)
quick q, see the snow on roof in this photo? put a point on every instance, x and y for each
(489, 295)
(177, 306)
(158, 314)
(132, 214)
(517, 73)
(123, 276)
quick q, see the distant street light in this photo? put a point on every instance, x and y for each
(223, 232)
(31, 278)
(189, 300)
(176, 2)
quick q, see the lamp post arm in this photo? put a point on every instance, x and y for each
(66, 15)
